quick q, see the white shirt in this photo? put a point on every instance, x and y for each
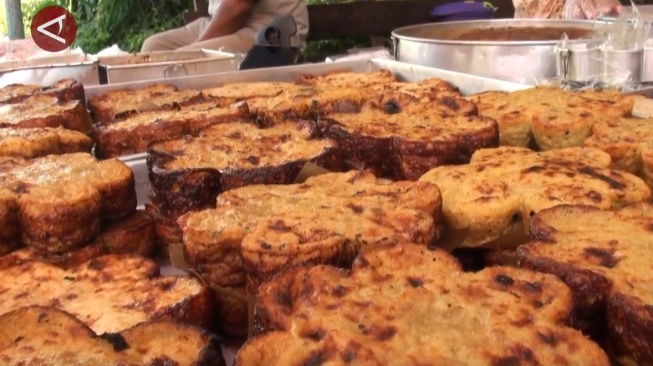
(268, 10)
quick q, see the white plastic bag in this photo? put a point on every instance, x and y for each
(566, 9)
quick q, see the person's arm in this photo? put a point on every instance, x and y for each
(231, 16)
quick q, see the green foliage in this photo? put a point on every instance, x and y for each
(126, 23)
(30, 9)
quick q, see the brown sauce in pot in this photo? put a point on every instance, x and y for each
(521, 34)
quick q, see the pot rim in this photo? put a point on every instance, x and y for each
(589, 24)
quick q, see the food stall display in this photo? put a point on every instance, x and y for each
(328, 212)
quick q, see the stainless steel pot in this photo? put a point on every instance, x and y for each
(517, 61)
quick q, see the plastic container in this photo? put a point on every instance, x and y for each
(463, 10)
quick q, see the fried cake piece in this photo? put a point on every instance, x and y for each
(30, 143)
(187, 174)
(59, 201)
(9, 231)
(629, 141)
(133, 134)
(108, 106)
(109, 294)
(134, 234)
(256, 231)
(46, 336)
(46, 111)
(404, 141)
(605, 257)
(346, 79)
(549, 117)
(410, 306)
(495, 195)
(64, 90)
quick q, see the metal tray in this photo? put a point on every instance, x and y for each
(468, 84)
(163, 65)
(47, 70)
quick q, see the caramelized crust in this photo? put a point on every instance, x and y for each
(605, 257)
(65, 90)
(410, 306)
(187, 174)
(259, 230)
(61, 199)
(405, 140)
(133, 134)
(30, 143)
(549, 117)
(109, 294)
(629, 141)
(134, 234)
(118, 103)
(501, 189)
(45, 336)
(46, 111)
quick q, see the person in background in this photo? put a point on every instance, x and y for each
(566, 9)
(231, 26)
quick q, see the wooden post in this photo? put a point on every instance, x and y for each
(14, 14)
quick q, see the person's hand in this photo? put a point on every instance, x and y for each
(593, 9)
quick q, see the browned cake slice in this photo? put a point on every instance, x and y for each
(344, 79)
(133, 134)
(188, 173)
(60, 200)
(261, 229)
(605, 257)
(490, 201)
(64, 90)
(9, 231)
(410, 306)
(405, 140)
(109, 294)
(134, 234)
(130, 104)
(629, 141)
(549, 117)
(105, 107)
(29, 143)
(45, 336)
(46, 111)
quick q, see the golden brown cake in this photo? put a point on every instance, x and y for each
(410, 306)
(605, 257)
(492, 199)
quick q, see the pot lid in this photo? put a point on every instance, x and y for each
(458, 7)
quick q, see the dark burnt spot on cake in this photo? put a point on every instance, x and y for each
(548, 338)
(613, 183)
(379, 333)
(351, 351)
(280, 225)
(283, 298)
(504, 280)
(391, 107)
(594, 196)
(317, 358)
(266, 246)
(356, 208)
(532, 287)
(315, 334)
(415, 281)
(533, 169)
(340, 291)
(506, 361)
(118, 342)
(254, 160)
(96, 265)
(603, 257)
